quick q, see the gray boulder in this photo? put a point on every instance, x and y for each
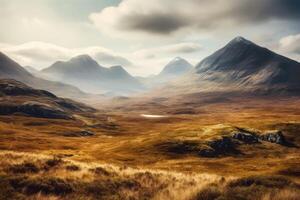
(86, 133)
(245, 137)
(273, 137)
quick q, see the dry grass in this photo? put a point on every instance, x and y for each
(92, 180)
(131, 157)
(103, 181)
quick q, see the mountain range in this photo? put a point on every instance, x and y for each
(241, 65)
(9, 69)
(85, 73)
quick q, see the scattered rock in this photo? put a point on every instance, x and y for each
(223, 144)
(86, 133)
(248, 138)
(273, 137)
(83, 133)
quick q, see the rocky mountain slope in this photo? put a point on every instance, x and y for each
(241, 66)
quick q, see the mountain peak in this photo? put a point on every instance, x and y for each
(176, 66)
(117, 67)
(240, 40)
(84, 61)
(83, 57)
(177, 58)
(244, 62)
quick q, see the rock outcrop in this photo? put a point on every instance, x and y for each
(245, 137)
(273, 137)
(219, 147)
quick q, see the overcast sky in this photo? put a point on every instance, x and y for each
(140, 35)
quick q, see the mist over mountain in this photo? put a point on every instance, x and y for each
(85, 73)
(31, 70)
(242, 65)
(9, 69)
(174, 69)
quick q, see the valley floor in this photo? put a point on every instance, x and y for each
(189, 153)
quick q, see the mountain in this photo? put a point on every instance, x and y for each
(85, 73)
(174, 69)
(241, 65)
(17, 97)
(9, 69)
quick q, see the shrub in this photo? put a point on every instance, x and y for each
(24, 168)
(45, 185)
(266, 181)
(53, 162)
(101, 171)
(208, 193)
(72, 168)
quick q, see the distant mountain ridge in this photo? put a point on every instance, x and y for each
(174, 69)
(9, 69)
(85, 73)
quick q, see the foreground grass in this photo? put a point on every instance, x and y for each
(37, 176)
(32, 176)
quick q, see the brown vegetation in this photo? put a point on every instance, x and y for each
(133, 157)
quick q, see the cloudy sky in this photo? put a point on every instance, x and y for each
(140, 35)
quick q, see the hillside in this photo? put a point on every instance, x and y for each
(18, 98)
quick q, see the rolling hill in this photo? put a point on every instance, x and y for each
(18, 98)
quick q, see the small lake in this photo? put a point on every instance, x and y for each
(153, 116)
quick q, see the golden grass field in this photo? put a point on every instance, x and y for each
(134, 157)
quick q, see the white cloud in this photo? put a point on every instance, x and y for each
(290, 44)
(41, 54)
(165, 17)
(167, 50)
